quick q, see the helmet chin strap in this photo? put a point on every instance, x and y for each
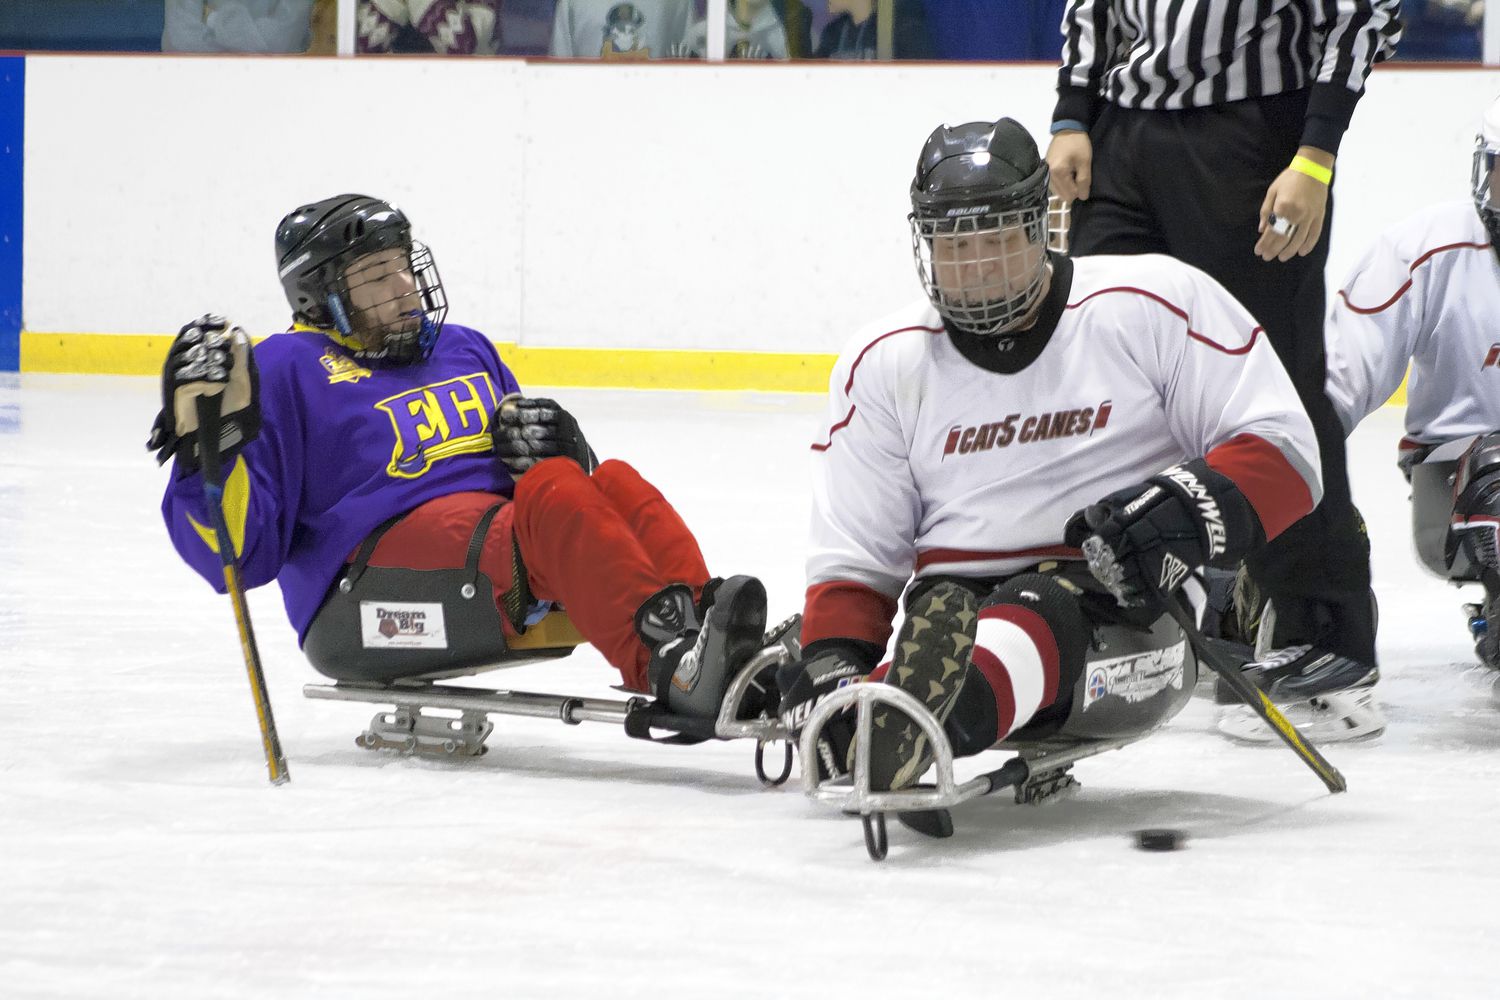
(340, 317)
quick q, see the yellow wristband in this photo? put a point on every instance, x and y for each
(1316, 171)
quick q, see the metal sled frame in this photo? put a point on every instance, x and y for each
(638, 715)
(1036, 772)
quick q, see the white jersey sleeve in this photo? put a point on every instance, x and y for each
(1426, 293)
(865, 502)
(1374, 326)
(1227, 395)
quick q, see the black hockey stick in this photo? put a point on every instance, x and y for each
(1255, 698)
(213, 493)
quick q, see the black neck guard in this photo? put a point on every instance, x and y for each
(1008, 353)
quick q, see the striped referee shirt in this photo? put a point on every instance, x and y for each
(1160, 55)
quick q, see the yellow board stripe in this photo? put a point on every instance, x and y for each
(134, 354)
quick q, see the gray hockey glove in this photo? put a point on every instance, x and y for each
(825, 666)
(526, 431)
(209, 357)
(1141, 543)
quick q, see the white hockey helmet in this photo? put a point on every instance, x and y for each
(1486, 184)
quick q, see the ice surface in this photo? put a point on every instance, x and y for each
(145, 855)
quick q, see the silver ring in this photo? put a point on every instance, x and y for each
(1282, 227)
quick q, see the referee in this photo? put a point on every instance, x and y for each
(1208, 130)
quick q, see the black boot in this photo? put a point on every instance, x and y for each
(691, 669)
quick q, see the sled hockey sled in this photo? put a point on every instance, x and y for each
(1117, 701)
(427, 717)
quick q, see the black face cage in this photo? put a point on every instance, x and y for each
(1485, 200)
(984, 290)
(408, 339)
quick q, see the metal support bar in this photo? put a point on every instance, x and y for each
(346, 29)
(718, 28)
(564, 708)
(1491, 40)
(885, 30)
(523, 703)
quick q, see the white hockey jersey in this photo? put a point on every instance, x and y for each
(1427, 292)
(932, 464)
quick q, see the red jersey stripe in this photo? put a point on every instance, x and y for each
(842, 609)
(1367, 310)
(1179, 312)
(932, 557)
(1275, 489)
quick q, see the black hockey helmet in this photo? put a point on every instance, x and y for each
(974, 182)
(317, 243)
(1486, 153)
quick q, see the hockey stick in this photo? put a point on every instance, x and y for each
(1255, 698)
(213, 493)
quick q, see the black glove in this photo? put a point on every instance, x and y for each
(1142, 542)
(526, 431)
(209, 358)
(826, 666)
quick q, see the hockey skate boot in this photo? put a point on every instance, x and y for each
(691, 667)
(930, 662)
(1329, 697)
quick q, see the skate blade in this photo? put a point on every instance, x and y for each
(1340, 717)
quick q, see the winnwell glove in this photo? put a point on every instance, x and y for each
(210, 357)
(1142, 542)
(826, 666)
(526, 431)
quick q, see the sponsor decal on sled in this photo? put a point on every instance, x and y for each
(388, 625)
(1136, 677)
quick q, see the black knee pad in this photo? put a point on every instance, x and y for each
(1058, 607)
(973, 727)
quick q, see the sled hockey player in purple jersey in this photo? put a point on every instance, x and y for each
(1427, 293)
(419, 513)
(1035, 454)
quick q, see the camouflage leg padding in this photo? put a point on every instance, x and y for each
(930, 663)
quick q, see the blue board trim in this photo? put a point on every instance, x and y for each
(12, 194)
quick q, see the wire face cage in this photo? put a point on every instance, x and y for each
(983, 272)
(395, 304)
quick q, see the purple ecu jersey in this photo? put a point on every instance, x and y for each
(342, 449)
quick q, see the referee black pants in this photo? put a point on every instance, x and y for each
(1190, 184)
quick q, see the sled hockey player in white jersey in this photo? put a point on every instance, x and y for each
(1428, 293)
(977, 444)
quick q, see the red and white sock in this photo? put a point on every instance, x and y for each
(1016, 652)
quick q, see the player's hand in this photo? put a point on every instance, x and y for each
(527, 431)
(1070, 159)
(1296, 204)
(210, 357)
(1142, 542)
(803, 683)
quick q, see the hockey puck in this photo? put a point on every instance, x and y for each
(1160, 840)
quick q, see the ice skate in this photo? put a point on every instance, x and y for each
(1329, 697)
(1336, 717)
(930, 662)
